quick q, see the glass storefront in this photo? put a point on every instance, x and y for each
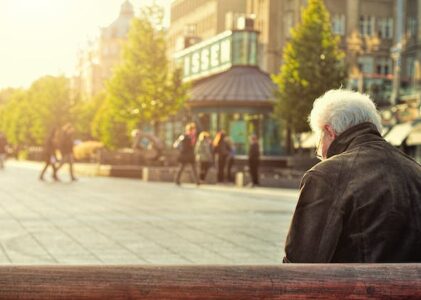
(240, 126)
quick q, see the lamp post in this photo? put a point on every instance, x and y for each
(354, 45)
(396, 52)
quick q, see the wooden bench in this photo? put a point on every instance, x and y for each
(317, 281)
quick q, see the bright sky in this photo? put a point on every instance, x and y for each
(40, 37)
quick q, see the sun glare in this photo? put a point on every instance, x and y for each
(41, 37)
(32, 9)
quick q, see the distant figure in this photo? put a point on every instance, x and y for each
(222, 151)
(230, 158)
(185, 146)
(147, 145)
(66, 148)
(203, 151)
(49, 155)
(254, 160)
(3, 149)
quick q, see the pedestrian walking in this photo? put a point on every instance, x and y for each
(230, 158)
(3, 149)
(254, 160)
(185, 146)
(221, 151)
(49, 155)
(362, 202)
(203, 151)
(66, 149)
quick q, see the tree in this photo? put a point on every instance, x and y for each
(312, 64)
(17, 120)
(109, 128)
(26, 116)
(6, 94)
(142, 90)
(51, 97)
(83, 115)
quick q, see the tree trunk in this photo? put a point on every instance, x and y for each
(289, 145)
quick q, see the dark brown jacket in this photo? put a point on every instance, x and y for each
(362, 204)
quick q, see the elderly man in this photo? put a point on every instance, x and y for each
(362, 202)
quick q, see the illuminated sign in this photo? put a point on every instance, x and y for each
(218, 54)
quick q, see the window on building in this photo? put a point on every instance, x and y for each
(411, 26)
(190, 29)
(410, 67)
(366, 64)
(338, 24)
(367, 25)
(384, 66)
(385, 28)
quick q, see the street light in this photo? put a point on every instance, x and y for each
(396, 53)
(354, 45)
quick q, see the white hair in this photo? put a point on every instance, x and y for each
(343, 109)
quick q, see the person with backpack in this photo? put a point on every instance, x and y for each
(185, 145)
(204, 156)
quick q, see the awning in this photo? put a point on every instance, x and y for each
(414, 137)
(399, 133)
(239, 86)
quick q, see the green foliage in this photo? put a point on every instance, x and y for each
(17, 119)
(312, 64)
(142, 89)
(107, 127)
(26, 116)
(6, 94)
(83, 113)
(51, 97)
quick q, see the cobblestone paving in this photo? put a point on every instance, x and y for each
(124, 221)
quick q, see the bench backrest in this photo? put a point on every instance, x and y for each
(336, 281)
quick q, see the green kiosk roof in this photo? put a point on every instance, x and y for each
(239, 86)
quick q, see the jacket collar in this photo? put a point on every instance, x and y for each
(354, 136)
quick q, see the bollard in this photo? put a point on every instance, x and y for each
(145, 174)
(239, 179)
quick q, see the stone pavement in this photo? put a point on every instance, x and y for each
(101, 220)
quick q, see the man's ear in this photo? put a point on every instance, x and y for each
(330, 131)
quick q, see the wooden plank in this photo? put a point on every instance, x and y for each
(336, 281)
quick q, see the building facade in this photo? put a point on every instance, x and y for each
(273, 19)
(381, 40)
(196, 20)
(410, 72)
(366, 29)
(95, 63)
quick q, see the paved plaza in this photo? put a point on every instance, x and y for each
(102, 220)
